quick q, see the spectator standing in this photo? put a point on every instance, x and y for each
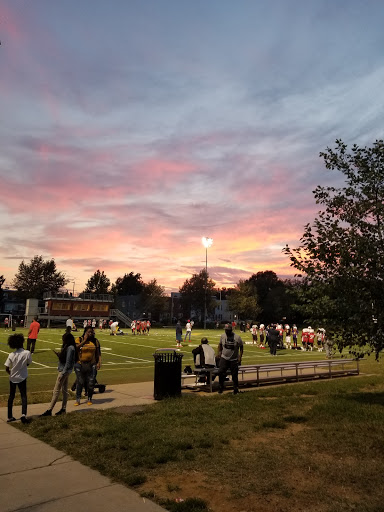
(179, 334)
(230, 352)
(33, 332)
(6, 323)
(65, 366)
(88, 362)
(16, 366)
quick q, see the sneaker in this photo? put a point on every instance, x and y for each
(11, 419)
(62, 411)
(77, 403)
(48, 412)
(89, 402)
(25, 420)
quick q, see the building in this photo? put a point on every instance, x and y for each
(12, 304)
(84, 306)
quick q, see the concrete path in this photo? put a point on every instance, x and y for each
(35, 477)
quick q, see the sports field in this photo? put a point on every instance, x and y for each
(128, 358)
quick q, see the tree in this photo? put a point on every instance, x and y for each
(342, 253)
(243, 300)
(273, 300)
(98, 283)
(193, 294)
(37, 277)
(153, 299)
(129, 284)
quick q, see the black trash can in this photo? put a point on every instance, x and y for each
(167, 381)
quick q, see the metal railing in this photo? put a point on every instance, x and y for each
(121, 316)
(95, 297)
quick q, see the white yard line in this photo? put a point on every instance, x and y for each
(128, 357)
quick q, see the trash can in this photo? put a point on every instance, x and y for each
(167, 381)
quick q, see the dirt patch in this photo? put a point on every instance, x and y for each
(222, 497)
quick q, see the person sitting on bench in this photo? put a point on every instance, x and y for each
(204, 356)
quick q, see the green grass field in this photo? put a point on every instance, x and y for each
(313, 446)
(125, 358)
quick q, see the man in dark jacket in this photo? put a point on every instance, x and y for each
(273, 339)
(230, 351)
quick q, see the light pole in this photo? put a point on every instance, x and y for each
(207, 242)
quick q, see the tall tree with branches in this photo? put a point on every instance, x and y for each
(98, 283)
(38, 276)
(341, 254)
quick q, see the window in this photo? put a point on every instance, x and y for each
(81, 307)
(100, 307)
(61, 306)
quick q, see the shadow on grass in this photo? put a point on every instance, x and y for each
(367, 398)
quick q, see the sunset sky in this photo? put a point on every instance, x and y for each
(131, 128)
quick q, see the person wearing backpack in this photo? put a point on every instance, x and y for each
(65, 366)
(88, 362)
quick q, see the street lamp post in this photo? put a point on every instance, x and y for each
(207, 242)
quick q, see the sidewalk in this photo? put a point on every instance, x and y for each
(35, 477)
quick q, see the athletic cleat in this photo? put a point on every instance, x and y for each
(25, 420)
(62, 411)
(48, 412)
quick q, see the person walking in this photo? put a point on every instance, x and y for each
(230, 352)
(88, 362)
(33, 332)
(65, 366)
(16, 366)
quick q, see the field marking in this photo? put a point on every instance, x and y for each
(129, 357)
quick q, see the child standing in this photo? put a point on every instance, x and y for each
(16, 366)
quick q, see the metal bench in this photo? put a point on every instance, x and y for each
(258, 374)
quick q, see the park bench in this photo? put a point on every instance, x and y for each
(258, 374)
